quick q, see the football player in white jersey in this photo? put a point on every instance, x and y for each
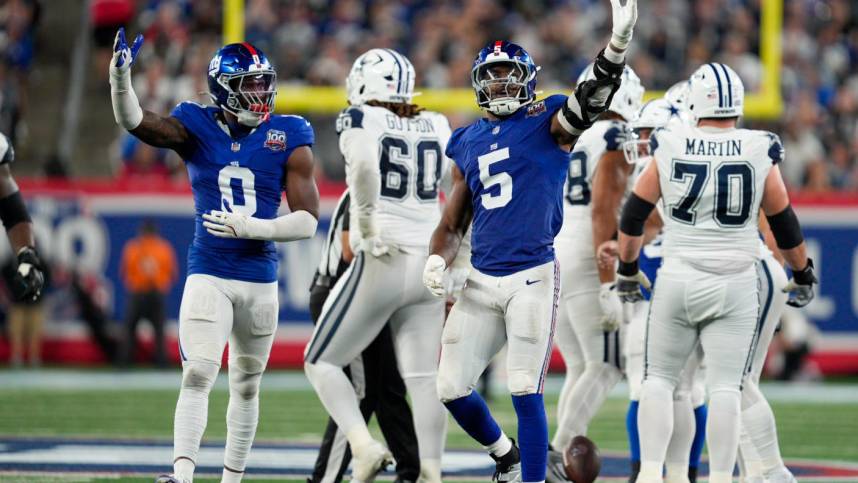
(394, 154)
(685, 447)
(588, 332)
(713, 179)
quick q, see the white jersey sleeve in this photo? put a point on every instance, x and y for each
(407, 158)
(602, 137)
(712, 183)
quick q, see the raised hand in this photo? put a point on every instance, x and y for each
(123, 55)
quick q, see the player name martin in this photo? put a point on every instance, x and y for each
(729, 147)
(409, 125)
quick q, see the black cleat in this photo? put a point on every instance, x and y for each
(692, 474)
(508, 466)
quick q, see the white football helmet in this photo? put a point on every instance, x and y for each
(382, 75)
(715, 90)
(653, 115)
(628, 98)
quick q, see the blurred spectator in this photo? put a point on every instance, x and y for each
(148, 270)
(18, 19)
(314, 42)
(25, 320)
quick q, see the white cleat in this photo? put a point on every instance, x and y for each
(780, 475)
(170, 479)
(369, 461)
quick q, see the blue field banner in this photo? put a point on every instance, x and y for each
(87, 231)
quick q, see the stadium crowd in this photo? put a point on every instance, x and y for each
(314, 42)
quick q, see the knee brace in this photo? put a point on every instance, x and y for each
(199, 376)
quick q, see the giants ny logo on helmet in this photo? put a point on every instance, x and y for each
(716, 91)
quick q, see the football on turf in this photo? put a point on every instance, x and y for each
(581, 460)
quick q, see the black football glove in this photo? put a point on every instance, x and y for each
(629, 282)
(593, 97)
(29, 276)
(800, 287)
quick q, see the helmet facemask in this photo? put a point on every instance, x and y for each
(251, 96)
(502, 86)
(637, 148)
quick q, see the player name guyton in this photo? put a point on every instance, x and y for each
(410, 124)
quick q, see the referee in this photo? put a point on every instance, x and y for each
(374, 374)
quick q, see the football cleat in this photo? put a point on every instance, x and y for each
(555, 473)
(170, 479)
(508, 466)
(780, 475)
(369, 461)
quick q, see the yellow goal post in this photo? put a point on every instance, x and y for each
(764, 104)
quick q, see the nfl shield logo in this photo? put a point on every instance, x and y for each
(276, 140)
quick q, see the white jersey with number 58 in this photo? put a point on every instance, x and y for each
(712, 183)
(409, 154)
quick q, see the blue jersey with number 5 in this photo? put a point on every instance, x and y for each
(243, 175)
(515, 171)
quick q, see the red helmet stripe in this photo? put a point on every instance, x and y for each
(253, 53)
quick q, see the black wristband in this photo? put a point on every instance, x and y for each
(628, 269)
(13, 210)
(806, 275)
(605, 69)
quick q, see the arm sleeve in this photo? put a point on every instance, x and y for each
(776, 149)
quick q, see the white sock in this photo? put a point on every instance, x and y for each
(720, 477)
(338, 396)
(747, 458)
(650, 472)
(183, 469)
(676, 473)
(584, 402)
(655, 422)
(684, 427)
(758, 422)
(501, 446)
(430, 471)
(722, 430)
(242, 416)
(231, 476)
(192, 410)
(430, 416)
(573, 373)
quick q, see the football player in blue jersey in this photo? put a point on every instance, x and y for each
(240, 159)
(508, 183)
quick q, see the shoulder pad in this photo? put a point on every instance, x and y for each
(776, 148)
(616, 134)
(352, 117)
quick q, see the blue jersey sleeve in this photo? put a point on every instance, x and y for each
(189, 114)
(301, 133)
(453, 143)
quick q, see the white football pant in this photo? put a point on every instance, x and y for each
(214, 311)
(370, 293)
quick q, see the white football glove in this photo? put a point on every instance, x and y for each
(375, 246)
(231, 225)
(612, 307)
(433, 274)
(624, 15)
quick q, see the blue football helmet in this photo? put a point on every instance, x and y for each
(504, 78)
(242, 82)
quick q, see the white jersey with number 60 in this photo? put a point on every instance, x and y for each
(409, 153)
(712, 183)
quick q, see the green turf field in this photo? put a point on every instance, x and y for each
(807, 430)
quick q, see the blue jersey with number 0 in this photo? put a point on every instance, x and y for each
(515, 171)
(242, 175)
